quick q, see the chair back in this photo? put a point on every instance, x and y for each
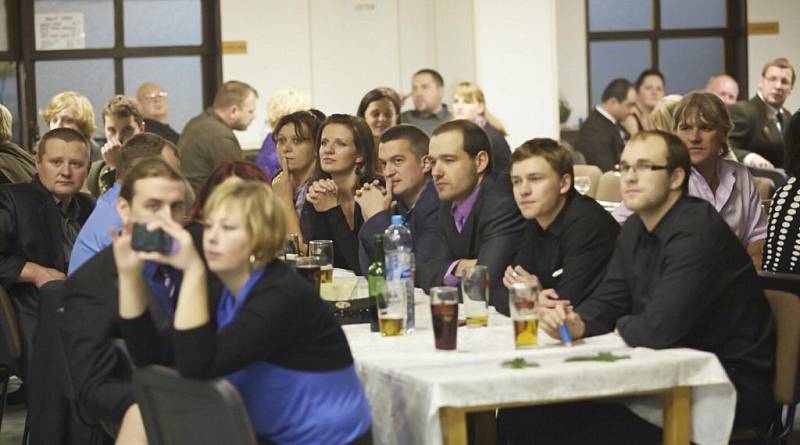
(608, 187)
(593, 172)
(10, 341)
(786, 312)
(176, 410)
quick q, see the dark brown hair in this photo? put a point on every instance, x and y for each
(367, 171)
(232, 92)
(416, 138)
(64, 134)
(556, 155)
(677, 153)
(140, 146)
(143, 168)
(377, 94)
(474, 138)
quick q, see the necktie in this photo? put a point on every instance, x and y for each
(169, 284)
(779, 119)
(460, 220)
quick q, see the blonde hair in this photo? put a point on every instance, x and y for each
(702, 107)
(84, 111)
(263, 213)
(471, 92)
(662, 116)
(283, 102)
(5, 124)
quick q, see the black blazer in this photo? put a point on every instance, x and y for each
(30, 230)
(89, 328)
(754, 132)
(600, 141)
(492, 234)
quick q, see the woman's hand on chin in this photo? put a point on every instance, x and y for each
(183, 256)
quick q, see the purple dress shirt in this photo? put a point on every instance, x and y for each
(736, 199)
(460, 214)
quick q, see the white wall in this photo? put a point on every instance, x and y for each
(762, 48)
(337, 50)
(573, 71)
(517, 67)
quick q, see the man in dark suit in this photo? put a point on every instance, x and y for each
(403, 154)
(39, 222)
(479, 221)
(601, 138)
(759, 123)
(100, 374)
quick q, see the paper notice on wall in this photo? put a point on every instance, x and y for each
(59, 30)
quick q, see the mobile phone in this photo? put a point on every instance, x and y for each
(144, 240)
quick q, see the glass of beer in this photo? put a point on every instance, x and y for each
(392, 313)
(522, 302)
(444, 316)
(308, 268)
(475, 291)
(323, 248)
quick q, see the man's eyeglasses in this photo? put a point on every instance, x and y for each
(156, 95)
(642, 167)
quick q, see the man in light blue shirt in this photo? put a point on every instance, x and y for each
(96, 232)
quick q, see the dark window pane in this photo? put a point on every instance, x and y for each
(74, 24)
(677, 14)
(3, 26)
(162, 22)
(180, 77)
(10, 97)
(620, 15)
(94, 78)
(688, 63)
(612, 59)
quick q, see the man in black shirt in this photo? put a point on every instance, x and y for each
(678, 278)
(155, 107)
(569, 237)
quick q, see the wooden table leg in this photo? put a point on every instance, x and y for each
(678, 416)
(485, 427)
(454, 425)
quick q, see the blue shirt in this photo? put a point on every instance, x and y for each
(94, 236)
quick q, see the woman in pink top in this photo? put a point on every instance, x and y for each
(703, 123)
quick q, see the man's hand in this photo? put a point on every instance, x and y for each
(373, 199)
(550, 319)
(463, 265)
(323, 194)
(758, 161)
(39, 275)
(111, 151)
(517, 274)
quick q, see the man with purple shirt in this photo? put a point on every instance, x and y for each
(478, 218)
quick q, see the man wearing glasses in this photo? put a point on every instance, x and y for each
(155, 108)
(678, 277)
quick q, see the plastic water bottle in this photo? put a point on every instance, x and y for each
(397, 244)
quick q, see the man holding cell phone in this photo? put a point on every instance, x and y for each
(152, 190)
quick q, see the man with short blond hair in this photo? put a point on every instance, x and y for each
(759, 123)
(208, 138)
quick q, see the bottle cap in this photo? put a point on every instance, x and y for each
(397, 219)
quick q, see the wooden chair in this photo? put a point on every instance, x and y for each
(608, 187)
(176, 410)
(593, 172)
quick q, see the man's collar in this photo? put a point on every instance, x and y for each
(441, 114)
(557, 226)
(606, 114)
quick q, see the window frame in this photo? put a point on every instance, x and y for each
(22, 51)
(734, 37)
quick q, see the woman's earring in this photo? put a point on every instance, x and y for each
(252, 260)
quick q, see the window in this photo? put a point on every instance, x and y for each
(687, 40)
(105, 47)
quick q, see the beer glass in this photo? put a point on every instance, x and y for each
(323, 248)
(308, 268)
(522, 303)
(392, 313)
(444, 316)
(475, 292)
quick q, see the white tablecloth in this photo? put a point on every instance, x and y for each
(407, 380)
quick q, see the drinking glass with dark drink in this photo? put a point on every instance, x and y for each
(522, 303)
(308, 268)
(444, 316)
(323, 249)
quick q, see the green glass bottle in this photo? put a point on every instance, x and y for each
(376, 278)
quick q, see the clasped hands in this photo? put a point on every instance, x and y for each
(374, 198)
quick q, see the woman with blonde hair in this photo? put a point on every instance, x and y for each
(469, 103)
(661, 118)
(70, 109)
(266, 330)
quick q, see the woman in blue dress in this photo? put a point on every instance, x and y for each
(270, 334)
